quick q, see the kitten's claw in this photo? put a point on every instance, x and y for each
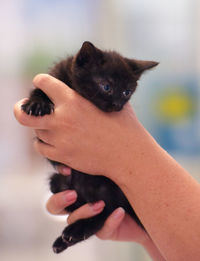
(73, 234)
(37, 108)
(69, 240)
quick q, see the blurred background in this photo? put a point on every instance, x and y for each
(35, 34)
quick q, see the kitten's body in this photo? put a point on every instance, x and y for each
(107, 80)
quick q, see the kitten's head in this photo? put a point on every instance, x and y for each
(106, 78)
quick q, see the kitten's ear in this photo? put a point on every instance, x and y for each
(87, 54)
(139, 66)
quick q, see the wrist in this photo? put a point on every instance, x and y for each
(130, 151)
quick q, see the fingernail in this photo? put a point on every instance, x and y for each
(69, 196)
(64, 170)
(97, 206)
(118, 213)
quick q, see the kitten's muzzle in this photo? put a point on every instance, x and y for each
(116, 106)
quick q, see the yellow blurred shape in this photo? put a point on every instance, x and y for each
(175, 106)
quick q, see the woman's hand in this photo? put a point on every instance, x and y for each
(77, 124)
(119, 226)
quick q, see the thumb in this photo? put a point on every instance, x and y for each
(55, 89)
(112, 224)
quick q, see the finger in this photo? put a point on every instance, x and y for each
(39, 122)
(46, 150)
(44, 136)
(59, 201)
(55, 89)
(64, 170)
(86, 211)
(109, 229)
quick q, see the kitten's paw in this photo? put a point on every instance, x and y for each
(70, 236)
(59, 245)
(59, 183)
(37, 108)
(73, 234)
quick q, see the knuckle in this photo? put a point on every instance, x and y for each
(43, 136)
(37, 146)
(40, 148)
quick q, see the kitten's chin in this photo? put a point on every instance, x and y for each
(111, 109)
(104, 107)
(115, 108)
(107, 107)
(108, 110)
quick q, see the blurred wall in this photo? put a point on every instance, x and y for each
(33, 35)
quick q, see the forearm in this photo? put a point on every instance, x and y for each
(165, 197)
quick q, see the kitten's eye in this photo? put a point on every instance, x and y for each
(105, 87)
(127, 93)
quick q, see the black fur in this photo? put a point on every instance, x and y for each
(108, 80)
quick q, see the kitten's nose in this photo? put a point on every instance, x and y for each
(116, 106)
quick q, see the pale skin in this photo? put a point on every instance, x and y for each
(163, 194)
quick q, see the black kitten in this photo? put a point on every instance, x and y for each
(108, 80)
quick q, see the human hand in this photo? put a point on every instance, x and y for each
(78, 131)
(119, 226)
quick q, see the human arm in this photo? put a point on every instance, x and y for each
(163, 194)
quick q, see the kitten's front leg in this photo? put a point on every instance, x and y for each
(79, 231)
(38, 104)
